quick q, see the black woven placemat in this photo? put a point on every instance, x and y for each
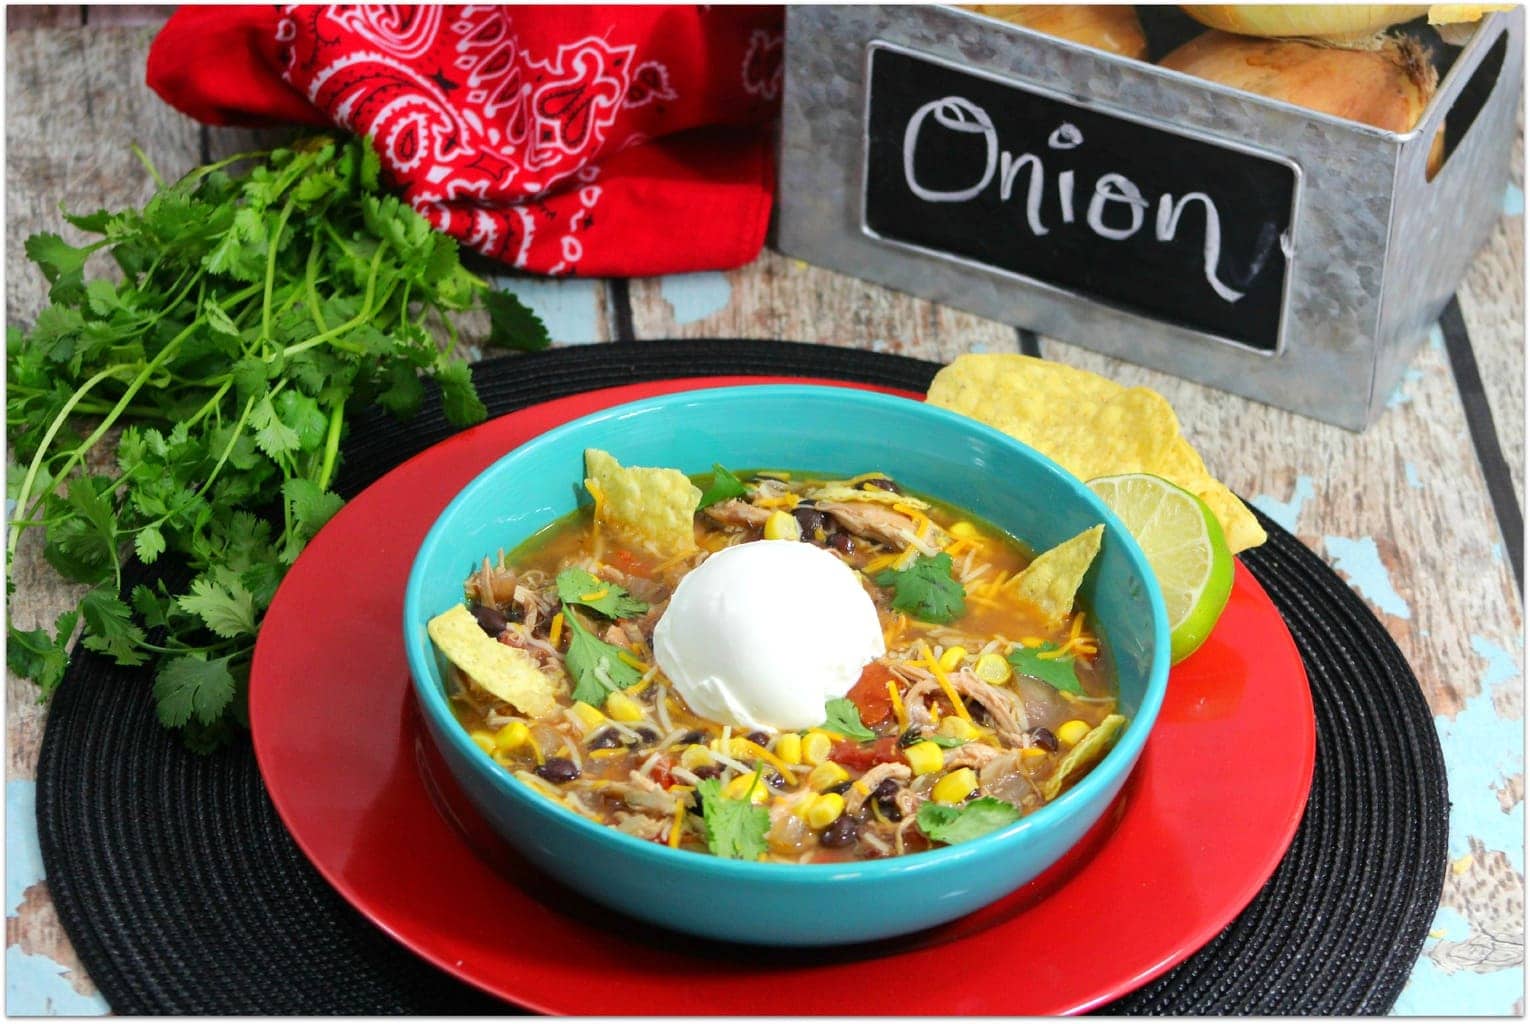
(183, 893)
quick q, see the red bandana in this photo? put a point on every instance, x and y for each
(597, 141)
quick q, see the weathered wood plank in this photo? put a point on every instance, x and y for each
(30, 16)
(780, 297)
(75, 100)
(92, 82)
(127, 15)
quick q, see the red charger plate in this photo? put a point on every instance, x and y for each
(1207, 815)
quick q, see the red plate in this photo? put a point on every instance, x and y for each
(1209, 812)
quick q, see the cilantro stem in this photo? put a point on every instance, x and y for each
(331, 444)
(274, 245)
(24, 495)
(148, 165)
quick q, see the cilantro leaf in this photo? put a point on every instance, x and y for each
(947, 824)
(109, 627)
(926, 589)
(61, 263)
(1058, 673)
(723, 487)
(192, 685)
(842, 716)
(149, 544)
(312, 506)
(459, 401)
(222, 602)
(734, 828)
(575, 586)
(595, 665)
(38, 656)
(513, 324)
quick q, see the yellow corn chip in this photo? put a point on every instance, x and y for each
(874, 495)
(1051, 581)
(1089, 425)
(1095, 745)
(509, 673)
(655, 507)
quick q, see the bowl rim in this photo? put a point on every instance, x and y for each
(1116, 765)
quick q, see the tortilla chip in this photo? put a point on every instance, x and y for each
(873, 495)
(1050, 582)
(1089, 425)
(654, 507)
(1095, 745)
(509, 673)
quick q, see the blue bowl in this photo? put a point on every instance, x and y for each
(836, 431)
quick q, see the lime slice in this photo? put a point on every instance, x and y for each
(1184, 545)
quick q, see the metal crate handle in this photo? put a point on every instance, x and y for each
(1494, 49)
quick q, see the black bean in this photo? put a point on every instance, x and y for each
(1044, 739)
(603, 739)
(978, 712)
(810, 519)
(694, 736)
(842, 542)
(557, 769)
(490, 619)
(774, 779)
(840, 787)
(910, 736)
(707, 771)
(886, 789)
(889, 810)
(842, 831)
(758, 738)
(881, 483)
(645, 734)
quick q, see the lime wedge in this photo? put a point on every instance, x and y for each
(1184, 545)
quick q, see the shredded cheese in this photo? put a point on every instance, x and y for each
(945, 683)
(555, 631)
(899, 710)
(595, 595)
(676, 825)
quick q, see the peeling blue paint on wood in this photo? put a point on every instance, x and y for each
(695, 297)
(1358, 561)
(1286, 513)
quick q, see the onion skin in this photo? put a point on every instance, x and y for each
(1110, 27)
(1387, 87)
(1312, 21)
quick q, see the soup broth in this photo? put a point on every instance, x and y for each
(961, 726)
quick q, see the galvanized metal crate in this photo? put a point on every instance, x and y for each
(1373, 249)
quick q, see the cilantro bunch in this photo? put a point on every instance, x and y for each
(255, 312)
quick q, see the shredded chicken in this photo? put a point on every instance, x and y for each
(1009, 719)
(737, 512)
(970, 755)
(855, 799)
(873, 522)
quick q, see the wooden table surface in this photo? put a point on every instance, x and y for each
(1413, 512)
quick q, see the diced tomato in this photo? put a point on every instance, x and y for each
(864, 756)
(869, 694)
(660, 773)
(624, 560)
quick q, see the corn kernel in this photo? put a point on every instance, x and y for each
(826, 775)
(591, 717)
(993, 668)
(952, 657)
(696, 756)
(958, 728)
(623, 708)
(955, 787)
(924, 757)
(789, 748)
(512, 736)
(815, 747)
(1032, 756)
(740, 785)
(1071, 731)
(484, 740)
(962, 530)
(824, 809)
(782, 525)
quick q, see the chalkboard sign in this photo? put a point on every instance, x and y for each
(1135, 215)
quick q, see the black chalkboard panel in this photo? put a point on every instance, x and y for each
(1136, 216)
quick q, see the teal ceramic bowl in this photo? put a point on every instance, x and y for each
(837, 431)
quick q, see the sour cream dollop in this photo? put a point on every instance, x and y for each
(761, 635)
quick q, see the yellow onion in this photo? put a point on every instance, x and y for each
(1110, 27)
(1387, 87)
(1328, 21)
